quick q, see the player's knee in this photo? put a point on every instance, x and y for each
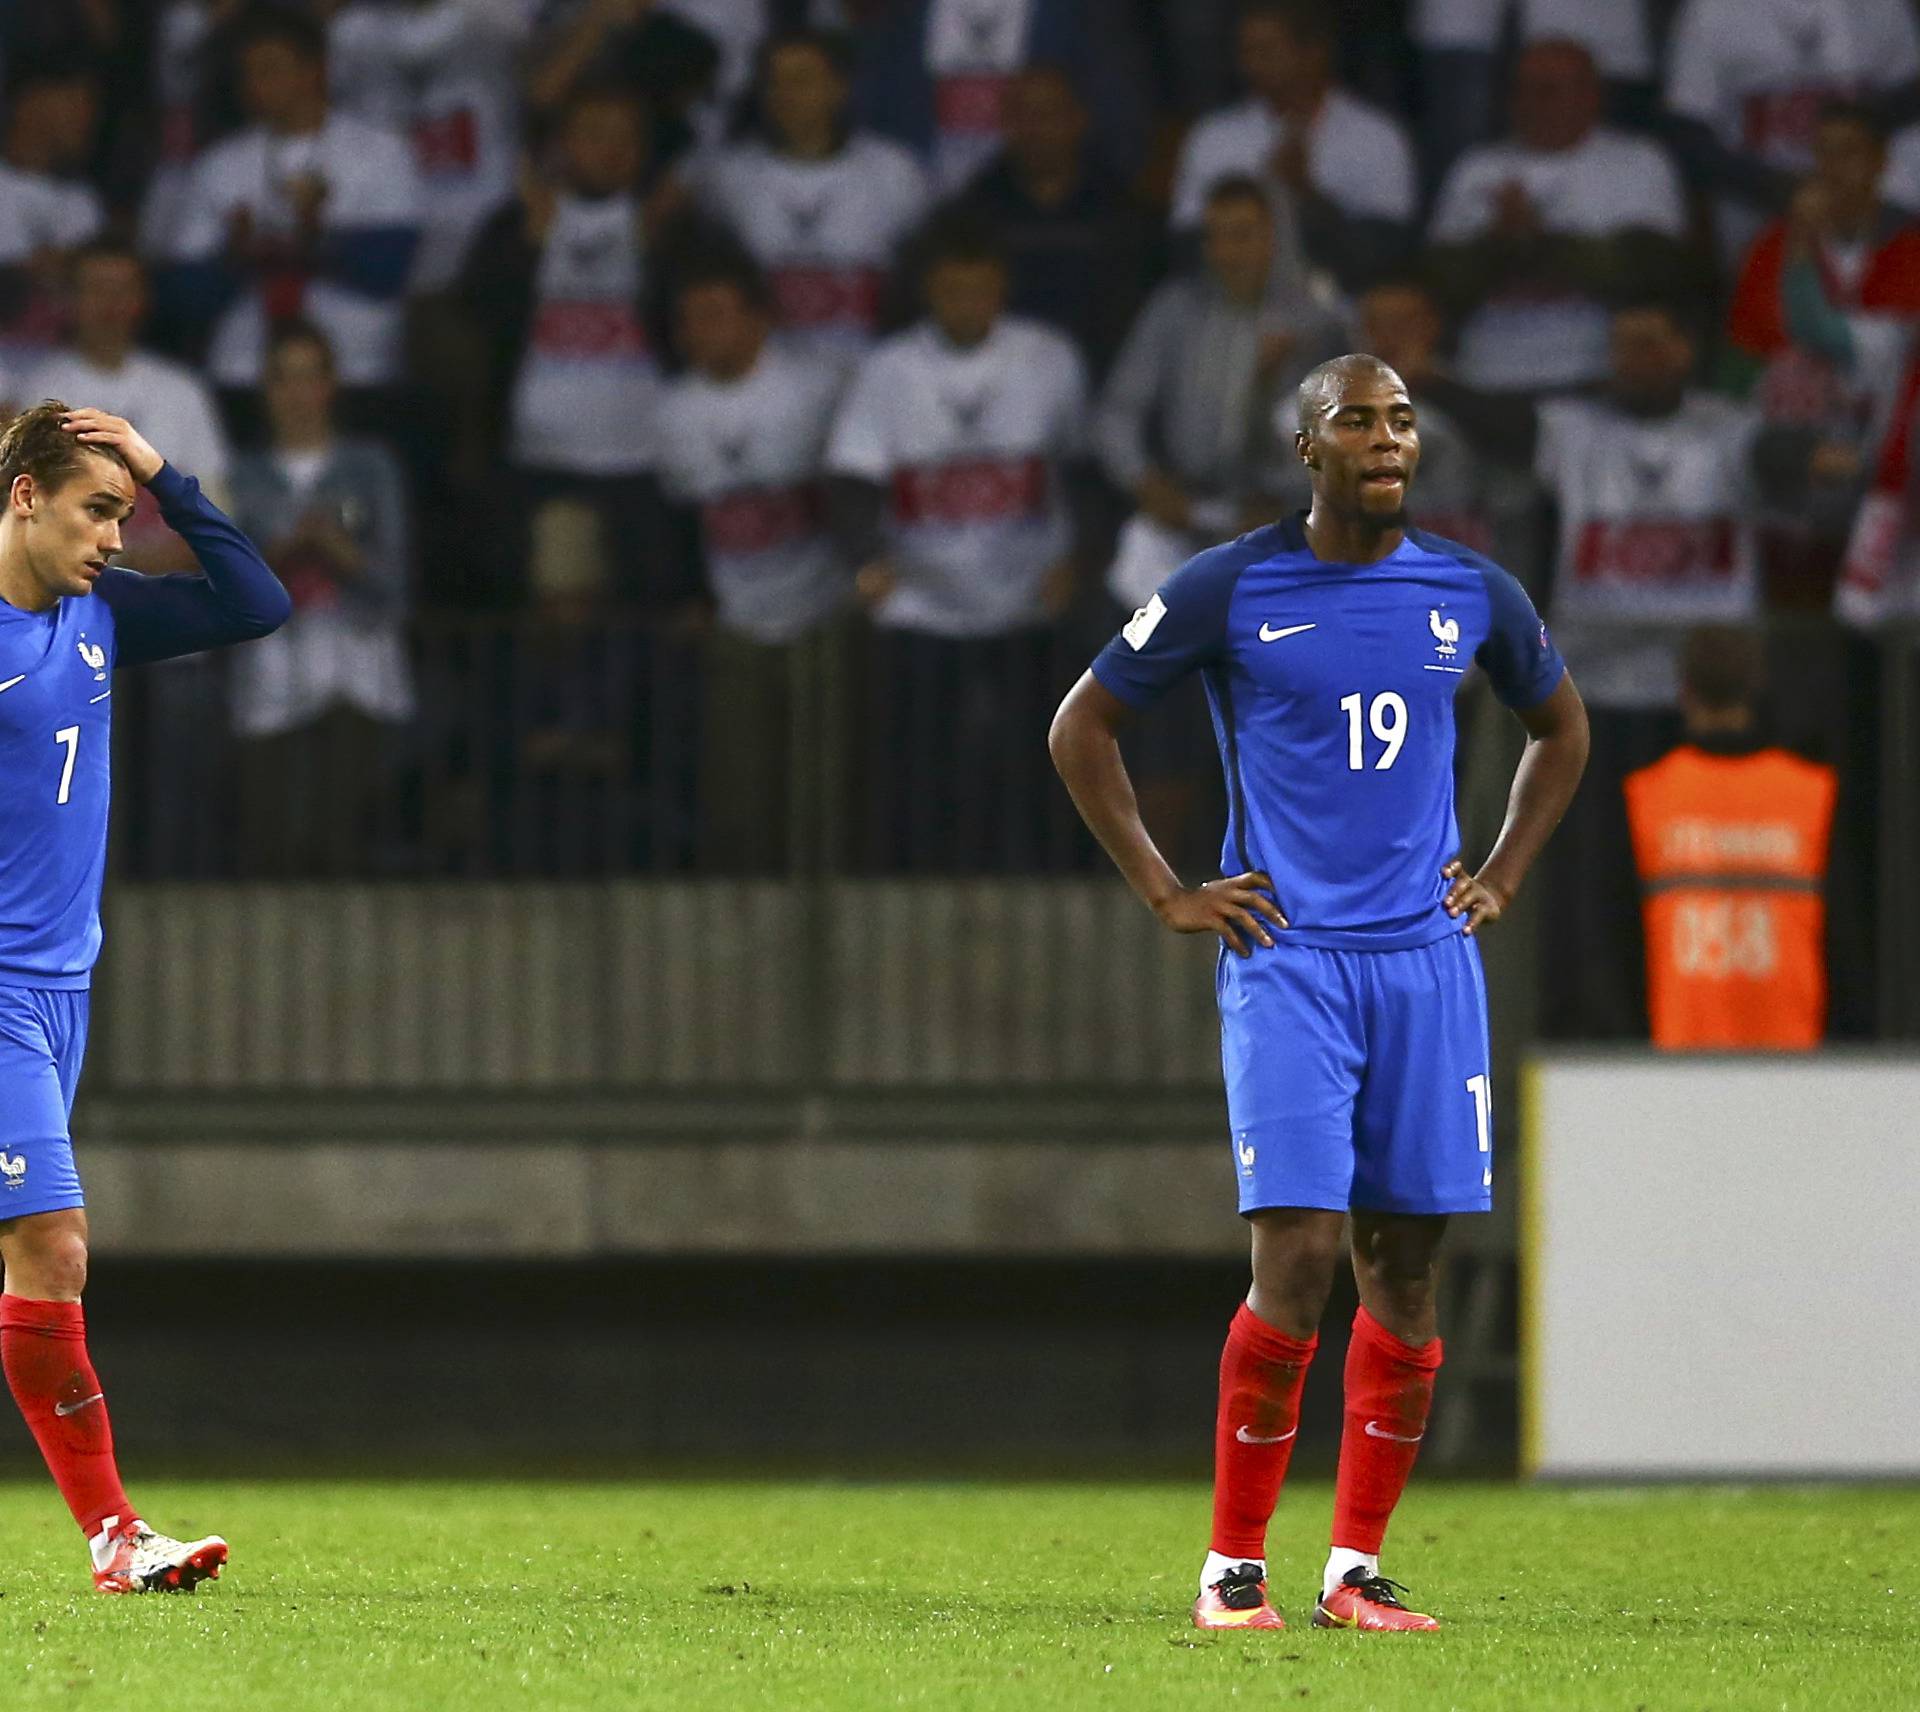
(1293, 1275)
(1405, 1276)
(47, 1261)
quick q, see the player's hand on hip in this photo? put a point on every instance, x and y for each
(114, 433)
(1478, 899)
(1238, 909)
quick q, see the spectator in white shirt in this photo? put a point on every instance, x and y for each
(445, 74)
(102, 362)
(52, 118)
(1460, 42)
(823, 208)
(306, 213)
(560, 291)
(318, 711)
(949, 464)
(1346, 167)
(1536, 232)
(744, 440)
(1746, 82)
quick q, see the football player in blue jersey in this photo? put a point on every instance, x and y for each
(68, 619)
(1353, 1011)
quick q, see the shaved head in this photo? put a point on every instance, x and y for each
(1360, 442)
(1323, 389)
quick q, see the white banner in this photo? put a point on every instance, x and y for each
(1718, 1266)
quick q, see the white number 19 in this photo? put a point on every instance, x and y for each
(1388, 718)
(70, 736)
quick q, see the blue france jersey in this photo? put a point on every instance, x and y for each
(55, 722)
(56, 690)
(1332, 688)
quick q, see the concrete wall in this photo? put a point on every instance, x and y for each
(655, 984)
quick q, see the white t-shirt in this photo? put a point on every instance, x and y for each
(588, 386)
(169, 404)
(969, 445)
(749, 453)
(826, 231)
(1357, 157)
(1615, 32)
(1655, 535)
(40, 212)
(445, 75)
(370, 181)
(973, 49)
(1757, 72)
(1608, 183)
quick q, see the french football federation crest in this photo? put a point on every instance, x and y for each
(13, 1167)
(1446, 634)
(94, 655)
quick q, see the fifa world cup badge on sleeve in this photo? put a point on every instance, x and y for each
(1141, 626)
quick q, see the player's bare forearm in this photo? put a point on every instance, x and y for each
(1543, 786)
(1084, 743)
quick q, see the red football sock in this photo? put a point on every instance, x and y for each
(1261, 1373)
(1389, 1388)
(43, 1347)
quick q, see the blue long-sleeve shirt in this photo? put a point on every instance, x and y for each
(56, 709)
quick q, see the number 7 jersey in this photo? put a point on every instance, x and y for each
(56, 683)
(1332, 688)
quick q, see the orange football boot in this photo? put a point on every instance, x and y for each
(1238, 1600)
(1364, 1601)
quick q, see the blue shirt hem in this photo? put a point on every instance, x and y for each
(37, 980)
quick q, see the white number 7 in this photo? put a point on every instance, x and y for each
(71, 738)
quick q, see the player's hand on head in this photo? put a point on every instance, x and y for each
(96, 428)
(1238, 909)
(1473, 896)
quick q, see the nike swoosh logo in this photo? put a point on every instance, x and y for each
(1269, 634)
(12, 681)
(1246, 1437)
(75, 1408)
(1376, 1431)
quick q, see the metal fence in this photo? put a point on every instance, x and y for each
(604, 747)
(605, 857)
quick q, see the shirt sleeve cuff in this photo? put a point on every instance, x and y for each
(171, 487)
(1134, 695)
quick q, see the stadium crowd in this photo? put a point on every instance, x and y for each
(618, 383)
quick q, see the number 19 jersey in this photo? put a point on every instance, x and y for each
(1332, 689)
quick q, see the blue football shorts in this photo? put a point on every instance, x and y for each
(1359, 1079)
(43, 1038)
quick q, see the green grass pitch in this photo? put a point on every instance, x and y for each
(465, 1597)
